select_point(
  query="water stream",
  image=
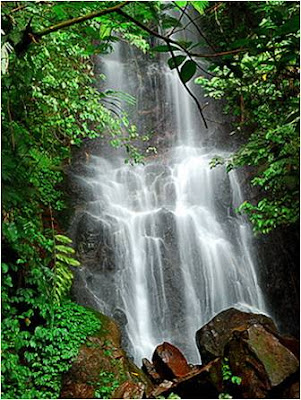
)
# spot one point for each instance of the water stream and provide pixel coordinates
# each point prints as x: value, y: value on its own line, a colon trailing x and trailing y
x: 180, y: 252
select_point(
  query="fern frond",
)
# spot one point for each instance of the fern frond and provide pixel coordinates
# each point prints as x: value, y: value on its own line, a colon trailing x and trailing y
x: 63, y: 259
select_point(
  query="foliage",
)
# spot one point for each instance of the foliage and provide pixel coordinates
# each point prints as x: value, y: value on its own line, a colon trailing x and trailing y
x: 227, y: 373
x: 228, y: 377
x: 106, y: 385
x: 261, y: 86
x: 170, y: 396
x: 50, y: 105
x: 33, y: 362
x: 63, y: 260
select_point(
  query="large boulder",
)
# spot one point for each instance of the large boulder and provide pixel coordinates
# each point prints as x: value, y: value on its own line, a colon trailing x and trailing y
x: 212, y: 338
x: 266, y: 361
x: 169, y: 362
x: 258, y: 357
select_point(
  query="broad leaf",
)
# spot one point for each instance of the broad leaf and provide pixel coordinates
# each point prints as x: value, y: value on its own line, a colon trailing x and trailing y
x: 181, y: 3
x: 165, y: 48
x: 187, y: 71
x: 176, y: 61
x: 200, y: 6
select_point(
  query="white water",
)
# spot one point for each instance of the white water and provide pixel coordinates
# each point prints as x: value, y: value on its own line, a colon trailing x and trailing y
x: 181, y: 253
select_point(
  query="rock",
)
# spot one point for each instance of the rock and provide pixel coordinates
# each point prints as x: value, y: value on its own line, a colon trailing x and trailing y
x: 212, y: 338
x: 258, y: 357
x: 169, y: 362
x: 78, y: 391
x: 291, y: 343
x: 149, y: 369
x: 200, y: 382
x: 292, y: 392
x: 162, y: 390
x: 102, y: 353
x: 129, y: 390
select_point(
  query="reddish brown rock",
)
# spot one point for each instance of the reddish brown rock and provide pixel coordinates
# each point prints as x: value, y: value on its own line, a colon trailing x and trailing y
x: 212, y: 338
x: 200, y: 382
x: 291, y: 343
x: 169, y: 362
x: 129, y: 390
x: 258, y: 357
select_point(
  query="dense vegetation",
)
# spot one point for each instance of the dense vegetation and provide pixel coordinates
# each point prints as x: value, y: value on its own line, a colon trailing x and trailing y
x: 50, y: 104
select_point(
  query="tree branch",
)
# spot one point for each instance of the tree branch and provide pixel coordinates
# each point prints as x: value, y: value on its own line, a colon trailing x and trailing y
x: 78, y: 20
x: 187, y: 88
x: 170, y: 41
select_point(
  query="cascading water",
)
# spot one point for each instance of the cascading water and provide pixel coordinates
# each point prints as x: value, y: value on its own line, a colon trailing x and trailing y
x: 180, y: 253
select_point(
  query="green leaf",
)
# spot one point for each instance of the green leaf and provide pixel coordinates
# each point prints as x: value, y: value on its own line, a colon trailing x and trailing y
x: 63, y: 239
x: 291, y: 26
x: 188, y: 70
x: 65, y: 249
x: 200, y: 6
x: 104, y: 31
x: 176, y: 61
x: 4, y: 268
x: 236, y: 380
x: 68, y: 260
x: 181, y: 3
x: 165, y: 48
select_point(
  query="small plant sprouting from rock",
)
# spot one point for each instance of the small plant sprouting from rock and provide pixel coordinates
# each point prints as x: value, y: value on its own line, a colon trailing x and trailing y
x: 170, y: 396
x: 228, y: 377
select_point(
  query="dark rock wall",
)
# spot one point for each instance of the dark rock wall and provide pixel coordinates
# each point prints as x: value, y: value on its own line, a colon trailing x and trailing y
x: 279, y: 258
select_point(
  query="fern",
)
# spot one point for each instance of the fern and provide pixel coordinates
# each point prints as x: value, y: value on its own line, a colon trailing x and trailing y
x: 63, y: 260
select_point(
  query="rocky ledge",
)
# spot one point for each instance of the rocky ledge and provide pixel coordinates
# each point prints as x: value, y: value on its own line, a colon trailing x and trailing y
x: 243, y: 354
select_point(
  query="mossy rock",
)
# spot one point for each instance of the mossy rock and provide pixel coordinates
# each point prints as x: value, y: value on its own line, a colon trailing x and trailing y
x: 102, y: 366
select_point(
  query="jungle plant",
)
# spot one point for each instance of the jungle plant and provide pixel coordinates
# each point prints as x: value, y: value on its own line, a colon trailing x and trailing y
x: 63, y: 260
x: 228, y: 377
x: 261, y: 87
x: 106, y: 385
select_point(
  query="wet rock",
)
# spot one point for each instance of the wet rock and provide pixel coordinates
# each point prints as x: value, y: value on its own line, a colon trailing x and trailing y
x: 200, y: 382
x: 169, y: 362
x: 258, y: 357
x: 212, y: 338
x: 149, y: 369
x: 129, y: 390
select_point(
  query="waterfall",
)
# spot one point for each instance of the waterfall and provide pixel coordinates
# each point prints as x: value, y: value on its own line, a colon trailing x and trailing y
x: 179, y: 253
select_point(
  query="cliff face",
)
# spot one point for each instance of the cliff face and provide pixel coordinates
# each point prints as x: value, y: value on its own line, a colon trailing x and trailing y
x: 279, y: 256
x: 153, y: 114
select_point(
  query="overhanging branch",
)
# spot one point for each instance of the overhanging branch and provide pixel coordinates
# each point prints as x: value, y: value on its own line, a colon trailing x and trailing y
x: 83, y: 18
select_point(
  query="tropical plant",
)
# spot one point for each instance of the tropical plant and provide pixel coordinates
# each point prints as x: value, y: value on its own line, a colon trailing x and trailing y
x: 261, y: 87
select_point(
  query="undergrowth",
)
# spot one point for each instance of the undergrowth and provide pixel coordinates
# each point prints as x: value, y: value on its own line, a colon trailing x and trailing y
x: 33, y: 363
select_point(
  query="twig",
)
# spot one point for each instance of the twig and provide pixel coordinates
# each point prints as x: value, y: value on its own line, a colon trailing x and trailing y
x: 187, y: 88
x: 179, y: 20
